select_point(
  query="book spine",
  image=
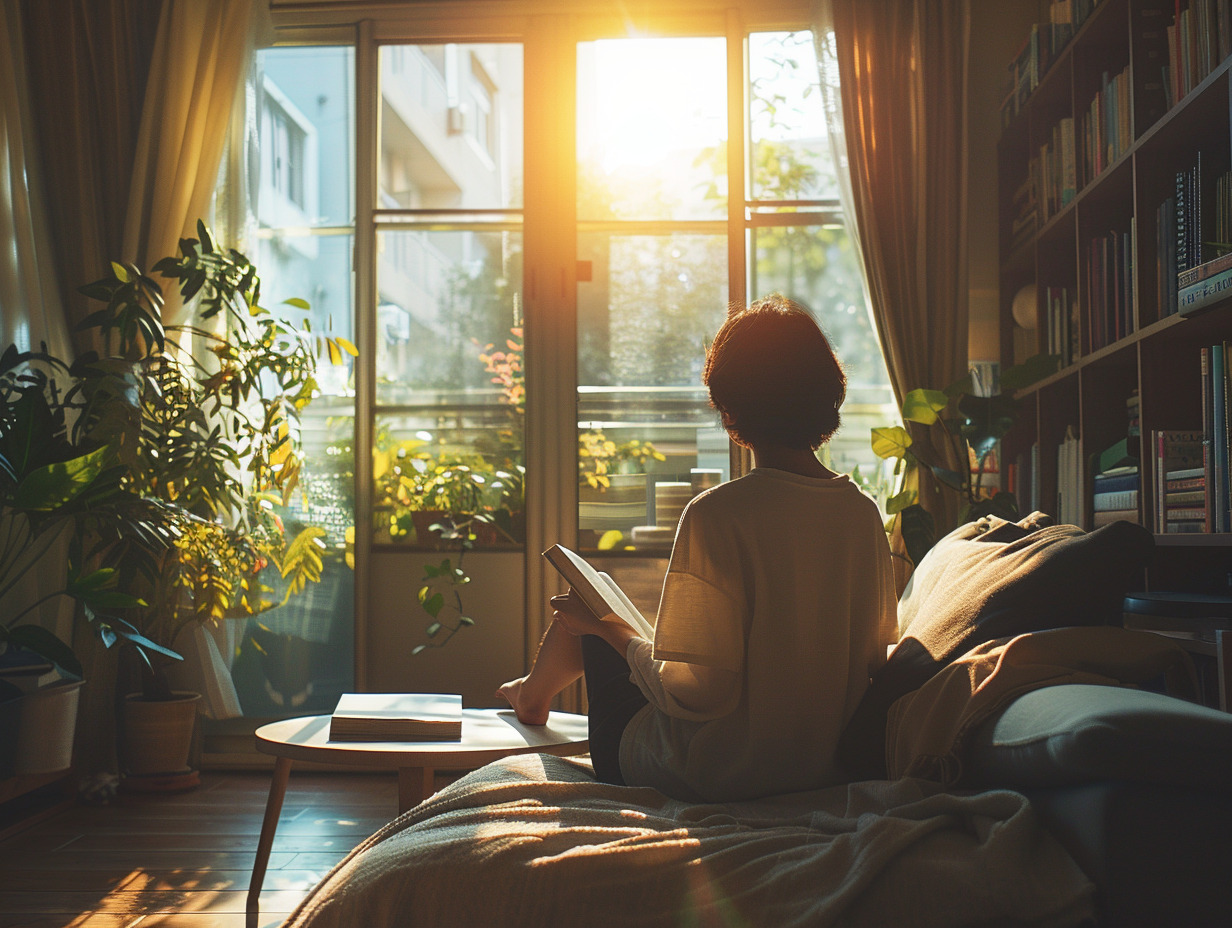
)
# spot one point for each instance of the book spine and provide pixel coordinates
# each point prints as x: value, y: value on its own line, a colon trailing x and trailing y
x: 1208, y: 438
x: 1220, y: 436
x: 1213, y: 289
x: 1119, y: 499
x: 1203, y: 271
x: 1185, y: 513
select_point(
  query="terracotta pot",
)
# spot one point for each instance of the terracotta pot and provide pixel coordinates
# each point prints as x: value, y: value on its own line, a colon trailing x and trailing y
x: 157, y: 735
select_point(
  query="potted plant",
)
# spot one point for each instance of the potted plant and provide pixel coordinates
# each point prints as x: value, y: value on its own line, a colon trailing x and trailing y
x: 214, y: 438
x: 612, y: 489
x: 972, y: 424
x: 65, y: 510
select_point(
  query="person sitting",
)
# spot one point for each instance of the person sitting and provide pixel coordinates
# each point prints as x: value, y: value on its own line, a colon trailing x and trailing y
x: 777, y: 605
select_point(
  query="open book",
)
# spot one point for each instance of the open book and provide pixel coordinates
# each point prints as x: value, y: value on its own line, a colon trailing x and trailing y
x: 397, y: 717
x: 598, y: 591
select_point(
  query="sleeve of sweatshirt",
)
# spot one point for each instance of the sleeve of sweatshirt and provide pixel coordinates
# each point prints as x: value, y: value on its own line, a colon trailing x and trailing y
x: 682, y: 690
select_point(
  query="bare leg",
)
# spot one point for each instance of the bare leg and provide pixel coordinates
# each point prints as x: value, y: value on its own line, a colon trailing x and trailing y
x: 558, y: 663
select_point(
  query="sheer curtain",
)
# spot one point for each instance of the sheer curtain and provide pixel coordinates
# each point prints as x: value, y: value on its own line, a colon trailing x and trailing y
x: 201, y: 55
x: 893, y: 79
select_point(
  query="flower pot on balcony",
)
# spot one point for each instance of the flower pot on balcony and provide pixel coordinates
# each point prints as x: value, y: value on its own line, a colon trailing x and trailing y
x: 423, y: 520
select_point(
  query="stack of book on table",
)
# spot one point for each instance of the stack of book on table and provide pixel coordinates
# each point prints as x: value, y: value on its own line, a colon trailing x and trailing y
x: 397, y: 717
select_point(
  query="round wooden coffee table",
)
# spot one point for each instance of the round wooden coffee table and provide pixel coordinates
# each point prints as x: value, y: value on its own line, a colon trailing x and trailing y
x: 487, y: 735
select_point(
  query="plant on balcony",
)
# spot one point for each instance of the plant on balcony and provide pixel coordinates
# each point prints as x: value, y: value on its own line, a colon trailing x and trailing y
x: 599, y: 458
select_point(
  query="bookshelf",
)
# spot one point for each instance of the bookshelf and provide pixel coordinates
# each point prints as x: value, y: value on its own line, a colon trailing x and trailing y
x: 1109, y: 131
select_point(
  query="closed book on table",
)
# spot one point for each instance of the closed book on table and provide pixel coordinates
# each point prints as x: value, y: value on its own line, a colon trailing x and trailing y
x: 397, y: 717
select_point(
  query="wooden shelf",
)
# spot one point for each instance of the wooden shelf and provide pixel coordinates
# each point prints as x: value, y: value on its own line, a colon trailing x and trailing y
x: 1159, y: 358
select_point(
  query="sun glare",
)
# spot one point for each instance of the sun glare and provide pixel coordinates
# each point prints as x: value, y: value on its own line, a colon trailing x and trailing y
x: 644, y: 101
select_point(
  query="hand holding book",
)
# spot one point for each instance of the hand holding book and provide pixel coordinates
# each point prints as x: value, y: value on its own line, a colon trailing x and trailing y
x: 572, y: 611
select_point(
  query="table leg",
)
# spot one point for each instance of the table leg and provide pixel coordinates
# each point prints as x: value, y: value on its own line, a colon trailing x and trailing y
x: 415, y: 784
x: 273, y: 808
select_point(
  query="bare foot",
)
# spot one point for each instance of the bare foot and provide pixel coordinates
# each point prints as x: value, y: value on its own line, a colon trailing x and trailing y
x: 527, y: 710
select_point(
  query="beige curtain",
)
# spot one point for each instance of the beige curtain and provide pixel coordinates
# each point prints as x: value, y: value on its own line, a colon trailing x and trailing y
x: 87, y: 62
x: 894, y: 83
x: 201, y: 55
x: 30, y: 311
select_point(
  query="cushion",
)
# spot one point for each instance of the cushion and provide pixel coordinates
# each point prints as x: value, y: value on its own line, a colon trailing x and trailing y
x: 1081, y: 733
x: 994, y: 579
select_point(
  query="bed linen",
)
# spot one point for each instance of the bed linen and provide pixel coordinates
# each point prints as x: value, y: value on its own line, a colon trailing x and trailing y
x: 533, y: 840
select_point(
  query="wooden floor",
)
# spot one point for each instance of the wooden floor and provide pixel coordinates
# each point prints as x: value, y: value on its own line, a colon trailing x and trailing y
x: 184, y: 860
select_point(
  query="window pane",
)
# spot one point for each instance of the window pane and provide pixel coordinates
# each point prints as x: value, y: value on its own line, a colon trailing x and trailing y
x: 447, y: 301
x: 451, y: 127
x: 791, y: 149
x: 298, y: 658
x: 816, y: 265
x: 652, y: 129
x: 306, y: 137
x: 449, y: 381
x: 645, y: 428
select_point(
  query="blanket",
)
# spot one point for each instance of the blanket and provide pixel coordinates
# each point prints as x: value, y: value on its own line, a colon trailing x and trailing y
x: 535, y: 841
x: 927, y: 727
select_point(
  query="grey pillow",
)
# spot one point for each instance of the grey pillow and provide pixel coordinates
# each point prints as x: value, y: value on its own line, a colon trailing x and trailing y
x: 1080, y: 733
x: 993, y: 579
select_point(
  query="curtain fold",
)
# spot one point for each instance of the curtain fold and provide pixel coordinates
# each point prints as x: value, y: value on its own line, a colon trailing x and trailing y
x: 894, y: 83
x: 87, y: 62
x: 201, y: 56
x: 30, y: 309
x: 31, y: 314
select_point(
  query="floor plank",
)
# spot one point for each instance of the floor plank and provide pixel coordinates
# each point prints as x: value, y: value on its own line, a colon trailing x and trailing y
x: 185, y: 860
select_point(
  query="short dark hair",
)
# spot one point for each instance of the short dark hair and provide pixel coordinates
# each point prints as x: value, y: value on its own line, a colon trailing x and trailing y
x: 773, y: 376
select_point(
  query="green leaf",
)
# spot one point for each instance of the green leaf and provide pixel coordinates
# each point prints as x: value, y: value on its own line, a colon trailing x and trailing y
x: 918, y: 531
x: 432, y: 629
x: 950, y: 478
x: 417, y: 649
x: 901, y: 501
x: 1036, y: 367
x: 297, y: 302
x: 45, y: 644
x: 986, y: 420
x: 121, y: 272
x: 922, y: 405
x: 466, y: 620
x: 433, y: 604
x: 58, y: 484
x: 890, y: 441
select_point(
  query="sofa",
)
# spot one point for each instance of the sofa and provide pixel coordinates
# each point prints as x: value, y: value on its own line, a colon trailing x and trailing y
x: 1019, y: 760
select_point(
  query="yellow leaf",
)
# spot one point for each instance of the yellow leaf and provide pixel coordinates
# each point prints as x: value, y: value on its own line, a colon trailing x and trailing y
x: 890, y: 442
